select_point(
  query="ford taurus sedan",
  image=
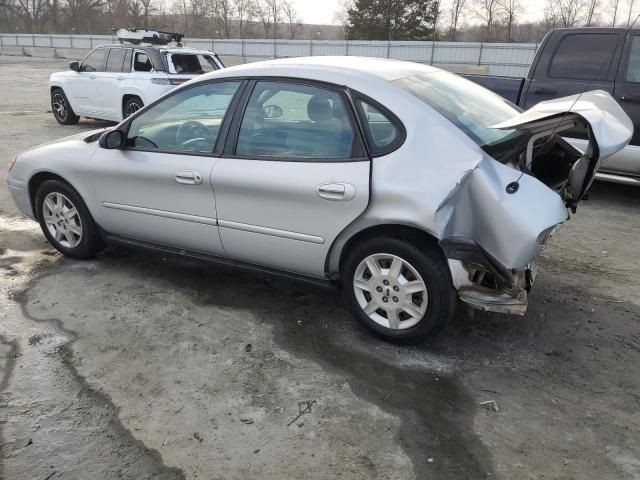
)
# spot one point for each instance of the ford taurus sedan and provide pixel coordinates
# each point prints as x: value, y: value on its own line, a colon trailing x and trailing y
x: 408, y: 187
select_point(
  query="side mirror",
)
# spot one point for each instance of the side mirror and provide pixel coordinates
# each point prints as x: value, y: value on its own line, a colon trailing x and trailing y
x: 112, y: 140
x: 75, y: 66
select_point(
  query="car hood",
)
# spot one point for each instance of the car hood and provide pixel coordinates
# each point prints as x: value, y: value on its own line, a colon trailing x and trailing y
x: 611, y: 126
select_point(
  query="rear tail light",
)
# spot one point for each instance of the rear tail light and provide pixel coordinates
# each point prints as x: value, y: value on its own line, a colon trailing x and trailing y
x: 168, y: 81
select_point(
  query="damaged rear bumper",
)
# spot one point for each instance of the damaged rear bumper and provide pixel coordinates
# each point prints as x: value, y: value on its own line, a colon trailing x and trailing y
x: 483, y: 284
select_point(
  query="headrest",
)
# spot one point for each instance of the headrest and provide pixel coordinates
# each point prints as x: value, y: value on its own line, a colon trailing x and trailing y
x: 319, y: 108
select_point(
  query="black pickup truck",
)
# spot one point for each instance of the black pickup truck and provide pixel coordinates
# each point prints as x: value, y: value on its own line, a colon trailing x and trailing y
x: 572, y: 59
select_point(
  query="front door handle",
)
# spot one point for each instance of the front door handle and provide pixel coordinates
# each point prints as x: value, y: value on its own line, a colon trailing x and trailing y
x: 120, y: 78
x: 92, y: 76
x: 336, y: 191
x: 188, y: 177
x: 628, y: 98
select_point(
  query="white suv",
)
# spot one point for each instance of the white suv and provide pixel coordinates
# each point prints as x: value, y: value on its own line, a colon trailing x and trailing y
x: 113, y: 81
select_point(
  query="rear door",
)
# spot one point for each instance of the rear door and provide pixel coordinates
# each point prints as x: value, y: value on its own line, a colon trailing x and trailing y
x: 293, y: 174
x: 573, y: 62
x: 627, y: 93
x: 111, y: 82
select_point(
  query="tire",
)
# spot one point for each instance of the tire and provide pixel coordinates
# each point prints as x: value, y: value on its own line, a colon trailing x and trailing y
x: 61, y: 108
x: 131, y: 106
x: 73, y: 235
x: 396, y: 309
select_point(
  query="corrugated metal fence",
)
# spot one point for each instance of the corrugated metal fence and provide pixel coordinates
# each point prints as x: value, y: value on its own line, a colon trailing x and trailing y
x: 511, y: 59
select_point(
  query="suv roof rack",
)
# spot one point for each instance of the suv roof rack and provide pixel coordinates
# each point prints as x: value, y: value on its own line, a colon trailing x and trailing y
x: 137, y: 36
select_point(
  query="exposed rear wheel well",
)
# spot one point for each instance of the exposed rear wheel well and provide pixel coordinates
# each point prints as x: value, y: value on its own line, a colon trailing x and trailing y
x: 415, y: 236
x: 54, y: 88
x: 35, y: 182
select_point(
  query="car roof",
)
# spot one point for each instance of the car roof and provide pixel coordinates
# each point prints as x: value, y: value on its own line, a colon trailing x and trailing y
x: 160, y: 48
x: 339, y: 68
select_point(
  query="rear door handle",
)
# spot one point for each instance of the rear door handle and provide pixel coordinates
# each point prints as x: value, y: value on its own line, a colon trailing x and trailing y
x: 545, y: 91
x: 92, y: 76
x: 120, y: 78
x: 188, y: 177
x: 336, y: 191
x: 628, y: 98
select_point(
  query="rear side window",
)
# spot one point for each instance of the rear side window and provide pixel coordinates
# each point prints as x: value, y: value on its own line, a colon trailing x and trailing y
x: 382, y: 131
x: 633, y: 68
x: 191, y: 64
x: 94, y: 62
x: 141, y: 62
x: 116, y: 59
x: 584, y: 56
x: 126, y: 66
x: 295, y: 121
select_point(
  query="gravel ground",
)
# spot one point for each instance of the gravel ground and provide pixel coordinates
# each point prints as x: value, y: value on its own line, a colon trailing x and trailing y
x: 135, y: 365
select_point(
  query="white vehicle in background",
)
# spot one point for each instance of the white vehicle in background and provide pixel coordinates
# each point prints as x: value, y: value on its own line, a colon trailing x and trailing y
x: 114, y: 81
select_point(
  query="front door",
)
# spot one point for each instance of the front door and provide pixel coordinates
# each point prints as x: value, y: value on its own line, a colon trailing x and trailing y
x: 81, y: 87
x: 292, y: 177
x: 158, y: 189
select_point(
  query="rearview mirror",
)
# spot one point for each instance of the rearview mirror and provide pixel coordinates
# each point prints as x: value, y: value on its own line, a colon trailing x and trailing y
x: 75, y: 66
x: 273, y: 111
x: 112, y: 140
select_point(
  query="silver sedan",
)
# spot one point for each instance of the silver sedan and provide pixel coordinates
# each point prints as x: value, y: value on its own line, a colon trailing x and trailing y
x: 408, y: 187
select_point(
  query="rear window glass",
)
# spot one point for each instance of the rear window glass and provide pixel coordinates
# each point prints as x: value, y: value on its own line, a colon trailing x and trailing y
x: 191, y: 64
x: 115, y: 59
x: 584, y: 56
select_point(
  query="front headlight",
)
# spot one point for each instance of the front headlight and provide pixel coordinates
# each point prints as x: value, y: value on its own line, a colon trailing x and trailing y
x: 12, y: 162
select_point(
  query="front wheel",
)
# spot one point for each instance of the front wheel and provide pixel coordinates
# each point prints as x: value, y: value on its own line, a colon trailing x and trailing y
x: 66, y: 221
x: 401, y: 292
x: 61, y: 108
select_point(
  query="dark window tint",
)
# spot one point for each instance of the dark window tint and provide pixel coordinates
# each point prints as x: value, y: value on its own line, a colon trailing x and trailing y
x: 633, y: 68
x: 584, y: 56
x: 382, y: 130
x: 94, y: 62
x: 141, y: 62
x: 287, y: 120
x: 192, y: 64
x: 188, y: 121
x: 115, y: 59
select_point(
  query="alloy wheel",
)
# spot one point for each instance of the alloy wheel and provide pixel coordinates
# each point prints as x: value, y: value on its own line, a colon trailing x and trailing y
x: 62, y: 219
x: 390, y: 291
x: 131, y: 108
x: 60, y: 108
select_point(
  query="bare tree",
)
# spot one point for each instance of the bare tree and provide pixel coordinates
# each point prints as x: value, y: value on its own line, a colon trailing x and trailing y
x: 456, y: 10
x: 222, y: 13
x: 630, y: 9
x: 268, y: 13
x: 510, y: 9
x: 568, y: 13
x: 291, y: 16
x: 32, y: 13
x: 487, y: 11
x: 243, y: 12
x: 82, y: 12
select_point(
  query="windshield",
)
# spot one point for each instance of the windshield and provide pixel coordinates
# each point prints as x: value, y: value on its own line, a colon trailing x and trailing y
x: 466, y: 104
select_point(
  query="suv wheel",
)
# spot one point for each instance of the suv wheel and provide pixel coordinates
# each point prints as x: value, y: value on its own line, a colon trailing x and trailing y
x: 131, y: 106
x: 66, y: 221
x: 398, y: 290
x: 61, y: 108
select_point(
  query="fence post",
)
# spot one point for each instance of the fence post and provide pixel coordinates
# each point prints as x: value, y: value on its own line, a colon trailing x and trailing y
x: 433, y: 49
x: 70, y: 41
x: 33, y: 39
x: 388, y: 48
x: 311, y: 47
x: 480, y: 54
x: 242, y: 50
x: 346, y: 51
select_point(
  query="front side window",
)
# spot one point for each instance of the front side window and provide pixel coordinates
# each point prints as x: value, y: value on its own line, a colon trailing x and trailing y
x: 295, y: 121
x: 382, y: 130
x: 116, y: 59
x: 584, y: 56
x: 94, y: 62
x: 141, y: 62
x: 191, y: 63
x: 470, y: 107
x: 188, y: 121
x: 633, y: 68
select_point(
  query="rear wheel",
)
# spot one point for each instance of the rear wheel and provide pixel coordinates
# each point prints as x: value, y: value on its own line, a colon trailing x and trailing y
x: 66, y: 221
x: 61, y: 108
x: 398, y: 290
x: 131, y: 106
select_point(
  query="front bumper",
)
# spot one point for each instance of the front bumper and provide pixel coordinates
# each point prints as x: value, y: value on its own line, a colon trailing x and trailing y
x: 19, y: 190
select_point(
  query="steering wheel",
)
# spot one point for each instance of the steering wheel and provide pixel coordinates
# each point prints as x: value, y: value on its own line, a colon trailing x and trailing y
x: 190, y: 131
